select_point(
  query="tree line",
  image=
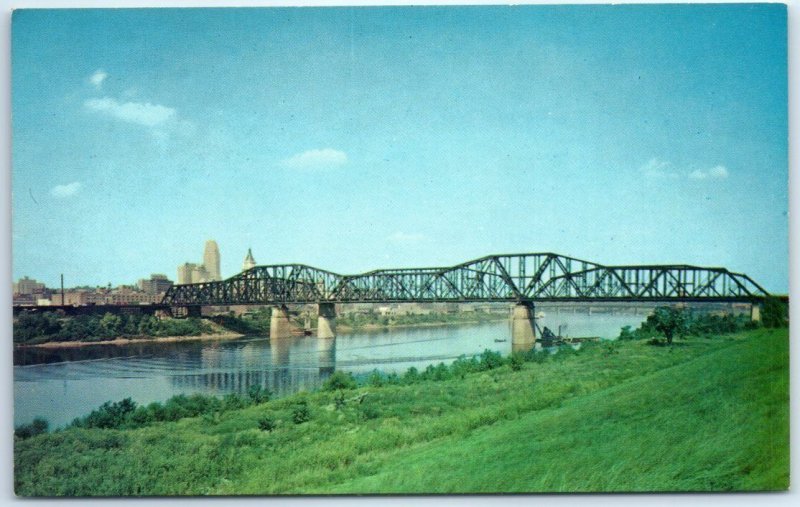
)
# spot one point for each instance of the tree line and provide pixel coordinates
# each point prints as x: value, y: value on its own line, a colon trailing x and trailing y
x: 32, y: 328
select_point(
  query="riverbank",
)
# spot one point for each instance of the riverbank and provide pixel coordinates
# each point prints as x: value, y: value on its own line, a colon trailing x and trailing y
x: 129, y: 341
x: 224, y: 334
x: 345, y: 329
x: 706, y: 414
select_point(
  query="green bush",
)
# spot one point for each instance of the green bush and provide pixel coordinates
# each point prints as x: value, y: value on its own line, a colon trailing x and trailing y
x: 490, y: 359
x: 266, y: 423
x: 375, y: 379
x: 37, y: 427
x: 516, y: 361
x: 774, y: 313
x: 411, y: 376
x: 367, y: 412
x: 258, y: 394
x: 339, y: 380
x: 301, y: 413
x: 338, y: 400
x: 108, y: 415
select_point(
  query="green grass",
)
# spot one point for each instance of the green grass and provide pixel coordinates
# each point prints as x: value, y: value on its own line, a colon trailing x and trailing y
x: 704, y: 415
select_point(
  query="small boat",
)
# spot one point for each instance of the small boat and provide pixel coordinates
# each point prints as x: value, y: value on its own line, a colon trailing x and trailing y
x: 498, y: 340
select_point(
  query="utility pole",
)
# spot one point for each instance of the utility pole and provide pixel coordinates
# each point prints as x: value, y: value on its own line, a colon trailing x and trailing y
x: 62, y: 289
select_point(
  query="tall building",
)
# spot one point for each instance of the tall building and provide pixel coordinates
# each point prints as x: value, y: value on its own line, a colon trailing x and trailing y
x: 27, y: 285
x: 208, y: 271
x: 185, y: 273
x: 200, y: 274
x: 211, y: 260
x: 249, y: 261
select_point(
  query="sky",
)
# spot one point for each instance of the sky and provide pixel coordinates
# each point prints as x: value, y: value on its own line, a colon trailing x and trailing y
x: 353, y: 139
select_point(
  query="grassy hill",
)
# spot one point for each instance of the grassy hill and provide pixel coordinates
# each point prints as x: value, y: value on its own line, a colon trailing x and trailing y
x: 705, y: 414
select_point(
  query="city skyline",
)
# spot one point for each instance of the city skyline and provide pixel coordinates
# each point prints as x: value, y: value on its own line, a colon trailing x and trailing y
x: 353, y: 139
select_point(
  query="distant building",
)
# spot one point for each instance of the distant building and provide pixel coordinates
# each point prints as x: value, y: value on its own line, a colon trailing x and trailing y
x: 249, y: 261
x: 157, y: 284
x: 128, y: 296
x: 211, y: 260
x: 185, y: 273
x: 200, y: 274
x: 208, y: 271
x: 27, y: 285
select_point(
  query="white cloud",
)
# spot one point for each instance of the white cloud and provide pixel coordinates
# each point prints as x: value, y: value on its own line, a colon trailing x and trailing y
x: 719, y: 172
x: 316, y: 159
x: 98, y: 77
x: 656, y: 168
x: 401, y: 237
x: 140, y: 113
x: 66, y: 190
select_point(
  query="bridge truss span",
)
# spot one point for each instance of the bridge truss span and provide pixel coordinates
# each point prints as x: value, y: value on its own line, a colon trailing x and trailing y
x: 494, y: 278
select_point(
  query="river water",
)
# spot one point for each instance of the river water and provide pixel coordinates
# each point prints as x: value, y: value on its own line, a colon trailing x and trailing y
x: 62, y: 384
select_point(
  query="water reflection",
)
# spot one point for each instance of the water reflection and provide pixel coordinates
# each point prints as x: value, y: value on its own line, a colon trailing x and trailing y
x: 61, y: 384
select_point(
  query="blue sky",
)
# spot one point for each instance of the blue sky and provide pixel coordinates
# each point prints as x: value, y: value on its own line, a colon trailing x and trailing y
x: 358, y: 138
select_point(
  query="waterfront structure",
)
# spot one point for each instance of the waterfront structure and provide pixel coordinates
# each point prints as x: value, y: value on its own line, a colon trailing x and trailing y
x: 157, y: 284
x: 249, y: 261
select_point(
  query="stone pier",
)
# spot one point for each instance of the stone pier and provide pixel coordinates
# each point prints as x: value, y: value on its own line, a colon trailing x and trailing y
x: 279, y: 326
x: 326, y: 323
x: 755, y: 312
x: 326, y: 356
x: 523, y: 329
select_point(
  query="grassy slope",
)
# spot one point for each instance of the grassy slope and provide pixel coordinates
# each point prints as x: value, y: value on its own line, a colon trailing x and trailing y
x: 716, y: 423
x: 711, y: 414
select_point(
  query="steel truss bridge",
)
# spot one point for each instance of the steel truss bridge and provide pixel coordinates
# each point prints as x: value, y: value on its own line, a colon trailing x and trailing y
x: 534, y: 277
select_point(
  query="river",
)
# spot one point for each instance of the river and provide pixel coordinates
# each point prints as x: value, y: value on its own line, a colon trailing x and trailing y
x: 61, y: 384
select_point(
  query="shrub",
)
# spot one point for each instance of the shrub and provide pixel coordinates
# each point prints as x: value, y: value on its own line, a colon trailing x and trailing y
x: 258, y: 394
x: 338, y: 400
x: 626, y: 334
x: 461, y: 366
x: 490, y: 360
x: 367, y: 412
x: 37, y: 427
x: 516, y: 361
x: 375, y: 379
x: 300, y: 413
x: 339, y: 380
x: 774, y: 313
x: 233, y: 401
x: 108, y: 415
x: 411, y: 376
x: 266, y: 423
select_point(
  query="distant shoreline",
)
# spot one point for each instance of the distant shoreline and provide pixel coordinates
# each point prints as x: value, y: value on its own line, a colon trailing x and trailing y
x: 377, y: 327
x: 128, y: 341
x: 343, y: 329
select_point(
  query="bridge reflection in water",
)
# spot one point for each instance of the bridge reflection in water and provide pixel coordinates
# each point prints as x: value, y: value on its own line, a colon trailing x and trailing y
x: 282, y: 374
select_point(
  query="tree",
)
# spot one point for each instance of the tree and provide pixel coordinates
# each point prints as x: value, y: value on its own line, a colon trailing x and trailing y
x: 110, y: 325
x: 668, y: 321
x: 774, y: 312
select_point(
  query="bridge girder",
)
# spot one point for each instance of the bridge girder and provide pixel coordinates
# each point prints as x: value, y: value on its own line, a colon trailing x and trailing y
x: 494, y: 278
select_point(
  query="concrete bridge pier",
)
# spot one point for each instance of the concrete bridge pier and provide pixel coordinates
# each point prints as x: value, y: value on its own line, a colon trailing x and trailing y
x: 755, y: 312
x: 279, y: 326
x: 326, y: 322
x: 523, y: 328
x: 326, y: 356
